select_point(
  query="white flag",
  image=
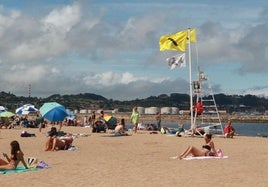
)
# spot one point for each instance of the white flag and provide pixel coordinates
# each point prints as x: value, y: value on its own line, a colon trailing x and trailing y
x: 176, y: 61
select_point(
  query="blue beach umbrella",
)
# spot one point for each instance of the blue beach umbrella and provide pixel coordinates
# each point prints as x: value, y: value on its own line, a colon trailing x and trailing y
x: 53, y: 111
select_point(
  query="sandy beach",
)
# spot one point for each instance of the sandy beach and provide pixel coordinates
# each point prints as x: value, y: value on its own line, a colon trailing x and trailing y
x: 142, y: 159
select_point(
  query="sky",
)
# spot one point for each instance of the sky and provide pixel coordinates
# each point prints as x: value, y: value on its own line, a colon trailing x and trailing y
x: 111, y: 47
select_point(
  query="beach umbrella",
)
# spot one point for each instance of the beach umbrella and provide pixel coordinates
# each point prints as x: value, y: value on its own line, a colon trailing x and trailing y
x: 2, y: 109
x: 71, y: 115
x: 110, y: 121
x: 53, y: 111
x: 26, y: 109
x: 6, y: 114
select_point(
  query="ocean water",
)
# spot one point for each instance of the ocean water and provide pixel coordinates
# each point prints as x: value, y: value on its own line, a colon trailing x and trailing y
x: 242, y: 129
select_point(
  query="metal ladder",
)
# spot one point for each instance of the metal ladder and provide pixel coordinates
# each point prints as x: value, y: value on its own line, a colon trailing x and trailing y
x: 210, y: 119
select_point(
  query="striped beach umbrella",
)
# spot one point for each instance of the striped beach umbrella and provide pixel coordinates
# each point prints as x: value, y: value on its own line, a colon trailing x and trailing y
x: 26, y: 109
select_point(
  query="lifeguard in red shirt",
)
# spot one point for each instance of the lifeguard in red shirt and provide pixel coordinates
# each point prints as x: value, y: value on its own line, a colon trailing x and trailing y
x: 229, y: 130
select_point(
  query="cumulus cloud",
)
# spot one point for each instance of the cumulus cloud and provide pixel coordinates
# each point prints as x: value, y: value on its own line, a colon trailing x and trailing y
x: 62, y: 20
x: 83, y: 47
x: 111, y: 78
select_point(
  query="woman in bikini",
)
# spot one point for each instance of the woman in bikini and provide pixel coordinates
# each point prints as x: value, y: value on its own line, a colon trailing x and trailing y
x: 207, y: 150
x: 15, y: 158
x: 121, y: 128
x: 59, y: 143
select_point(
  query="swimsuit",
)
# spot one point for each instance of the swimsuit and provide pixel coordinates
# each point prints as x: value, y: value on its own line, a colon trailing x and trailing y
x: 206, y: 147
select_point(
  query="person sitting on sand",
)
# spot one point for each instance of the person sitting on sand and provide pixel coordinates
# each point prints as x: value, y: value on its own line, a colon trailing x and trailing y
x: 101, y: 115
x: 16, y: 157
x: 181, y: 130
x: 53, y: 133
x: 229, y: 130
x: 207, y: 150
x: 60, y: 143
x: 120, y: 128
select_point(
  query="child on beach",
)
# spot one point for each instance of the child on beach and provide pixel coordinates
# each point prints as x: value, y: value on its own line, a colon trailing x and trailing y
x: 15, y: 158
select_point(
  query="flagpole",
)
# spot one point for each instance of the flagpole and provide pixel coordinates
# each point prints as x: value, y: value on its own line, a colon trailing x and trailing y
x: 190, y: 76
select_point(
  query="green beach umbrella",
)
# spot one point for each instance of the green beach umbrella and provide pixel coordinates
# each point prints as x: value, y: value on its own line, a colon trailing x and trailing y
x: 6, y: 114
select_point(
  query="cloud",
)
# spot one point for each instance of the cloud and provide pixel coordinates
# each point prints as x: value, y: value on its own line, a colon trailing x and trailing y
x: 62, y: 19
x: 86, y: 47
x: 260, y: 92
x: 143, y: 89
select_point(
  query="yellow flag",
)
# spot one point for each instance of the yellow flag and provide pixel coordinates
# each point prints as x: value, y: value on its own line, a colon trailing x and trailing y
x: 192, y: 35
x: 176, y: 41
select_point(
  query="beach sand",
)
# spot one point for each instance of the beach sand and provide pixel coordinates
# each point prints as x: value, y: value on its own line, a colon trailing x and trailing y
x: 142, y: 159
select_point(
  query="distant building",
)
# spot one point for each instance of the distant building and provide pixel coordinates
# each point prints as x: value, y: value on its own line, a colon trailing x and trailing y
x: 174, y: 110
x: 152, y: 110
x: 83, y: 111
x: 141, y: 110
x: 165, y: 110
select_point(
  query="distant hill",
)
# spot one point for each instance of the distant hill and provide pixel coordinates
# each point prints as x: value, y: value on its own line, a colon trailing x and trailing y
x: 231, y: 103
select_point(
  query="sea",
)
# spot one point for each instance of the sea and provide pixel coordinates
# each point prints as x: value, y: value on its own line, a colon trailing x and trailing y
x: 242, y: 129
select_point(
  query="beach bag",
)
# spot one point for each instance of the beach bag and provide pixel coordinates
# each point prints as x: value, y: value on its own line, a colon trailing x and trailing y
x: 41, y: 164
x: 219, y: 153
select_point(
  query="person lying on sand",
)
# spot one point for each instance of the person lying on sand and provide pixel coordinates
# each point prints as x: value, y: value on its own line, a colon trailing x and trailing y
x: 59, y: 143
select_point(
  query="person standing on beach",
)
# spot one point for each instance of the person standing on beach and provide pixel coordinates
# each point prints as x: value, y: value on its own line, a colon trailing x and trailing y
x: 134, y: 118
x: 92, y: 118
x: 158, y: 121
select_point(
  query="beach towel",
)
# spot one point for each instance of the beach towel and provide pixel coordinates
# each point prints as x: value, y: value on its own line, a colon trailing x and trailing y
x: 115, y: 135
x: 199, y: 157
x: 203, y: 157
x: 19, y: 169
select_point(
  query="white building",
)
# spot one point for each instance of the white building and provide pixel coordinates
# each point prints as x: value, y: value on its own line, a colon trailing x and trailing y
x: 83, y: 111
x: 141, y: 110
x: 165, y: 110
x: 174, y: 110
x: 152, y: 110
